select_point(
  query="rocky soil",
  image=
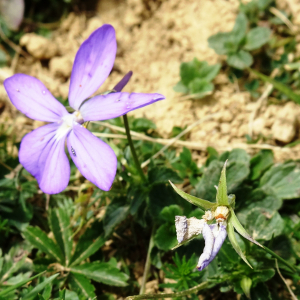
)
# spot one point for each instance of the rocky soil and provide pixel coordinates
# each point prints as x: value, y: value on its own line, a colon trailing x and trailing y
x: 154, y: 37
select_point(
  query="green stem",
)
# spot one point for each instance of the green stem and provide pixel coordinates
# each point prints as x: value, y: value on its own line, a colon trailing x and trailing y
x: 279, y: 258
x: 148, y: 262
x: 194, y: 289
x: 135, y: 158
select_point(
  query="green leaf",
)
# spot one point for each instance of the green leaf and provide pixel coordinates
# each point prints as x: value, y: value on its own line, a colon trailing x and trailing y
x: 59, y: 222
x: 264, y: 226
x: 204, y: 204
x: 240, y: 229
x: 101, y: 272
x: 278, y: 85
x: 181, y: 88
x: 163, y: 175
x: 260, y: 163
x: 116, y: 212
x: 138, y: 195
x: 208, y: 72
x: 142, y: 125
x: 240, y: 28
x: 282, y: 180
x: 240, y: 60
x: 257, y: 37
x: 222, y: 198
x: 40, y: 240
x: 89, y: 243
x: 218, y: 42
x: 261, y: 292
x: 82, y: 286
x: 83, y: 253
x: 33, y: 293
x: 237, y: 172
x: 169, y: 212
x: 262, y: 275
x: 200, y: 87
x: 16, y: 286
x: 165, y: 237
x: 234, y: 243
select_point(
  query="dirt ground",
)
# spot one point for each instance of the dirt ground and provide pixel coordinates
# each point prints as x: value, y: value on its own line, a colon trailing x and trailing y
x: 154, y: 37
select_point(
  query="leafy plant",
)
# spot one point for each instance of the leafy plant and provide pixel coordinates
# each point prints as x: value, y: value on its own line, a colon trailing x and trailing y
x: 238, y: 43
x: 196, y: 78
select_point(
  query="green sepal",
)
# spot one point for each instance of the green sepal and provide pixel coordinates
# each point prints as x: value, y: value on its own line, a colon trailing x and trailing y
x: 222, y: 198
x: 204, y: 204
x: 240, y: 229
x: 234, y: 243
x: 185, y: 241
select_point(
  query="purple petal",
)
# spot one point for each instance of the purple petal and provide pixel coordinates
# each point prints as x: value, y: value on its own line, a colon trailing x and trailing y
x: 208, y: 248
x: 120, y: 85
x: 31, y: 97
x: 93, y: 63
x: 113, y: 105
x: 44, y: 157
x: 219, y: 240
x: 95, y: 160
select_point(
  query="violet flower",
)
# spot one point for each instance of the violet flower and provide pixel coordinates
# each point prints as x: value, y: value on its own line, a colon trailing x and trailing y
x: 214, y: 236
x: 42, y: 152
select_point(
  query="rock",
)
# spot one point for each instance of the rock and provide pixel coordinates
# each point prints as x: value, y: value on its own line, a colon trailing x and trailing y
x: 61, y: 66
x: 38, y: 46
x: 225, y: 128
x: 258, y: 126
x: 285, y: 126
x: 226, y: 116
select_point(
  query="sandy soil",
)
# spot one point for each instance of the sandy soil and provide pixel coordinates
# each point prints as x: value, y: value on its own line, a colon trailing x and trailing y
x: 154, y: 37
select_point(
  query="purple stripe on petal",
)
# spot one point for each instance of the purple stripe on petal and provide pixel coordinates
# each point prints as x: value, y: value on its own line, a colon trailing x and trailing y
x: 114, y: 105
x: 208, y: 248
x: 93, y: 63
x: 31, y: 97
x: 95, y: 159
x: 44, y: 157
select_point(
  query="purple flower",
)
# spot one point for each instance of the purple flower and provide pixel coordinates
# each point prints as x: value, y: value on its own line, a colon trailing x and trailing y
x: 214, y: 236
x: 42, y: 152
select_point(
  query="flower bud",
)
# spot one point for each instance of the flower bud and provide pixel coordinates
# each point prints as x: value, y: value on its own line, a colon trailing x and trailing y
x: 246, y: 283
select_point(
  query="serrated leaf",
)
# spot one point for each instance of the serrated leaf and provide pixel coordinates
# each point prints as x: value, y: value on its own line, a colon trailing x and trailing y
x: 278, y: 85
x: 240, y: 229
x: 282, y: 180
x: 33, y: 293
x: 101, y: 272
x: 257, y: 37
x: 234, y: 243
x: 204, y: 204
x: 240, y: 60
x: 40, y: 240
x: 222, y: 198
x: 163, y: 175
x: 82, y: 286
x: 59, y: 222
x: 85, y: 249
x: 116, y: 212
x: 16, y: 286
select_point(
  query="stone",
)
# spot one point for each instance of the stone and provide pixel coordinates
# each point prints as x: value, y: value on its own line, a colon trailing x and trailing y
x: 61, y: 66
x: 258, y: 126
x: 285, y: 126
x: 38, y: 46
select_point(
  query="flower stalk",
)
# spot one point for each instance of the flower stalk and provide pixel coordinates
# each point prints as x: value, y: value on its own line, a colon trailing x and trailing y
x: 132, y: 149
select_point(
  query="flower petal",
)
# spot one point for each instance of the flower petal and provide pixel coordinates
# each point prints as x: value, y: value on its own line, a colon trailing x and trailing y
x: 121, y: 84
x: 219, y: 240
x: 208, y: 236
x: 44, y: 157
x: 93, y: 63
x: 113, y: 105
x: 31, y: 97
x: 95, y: 159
